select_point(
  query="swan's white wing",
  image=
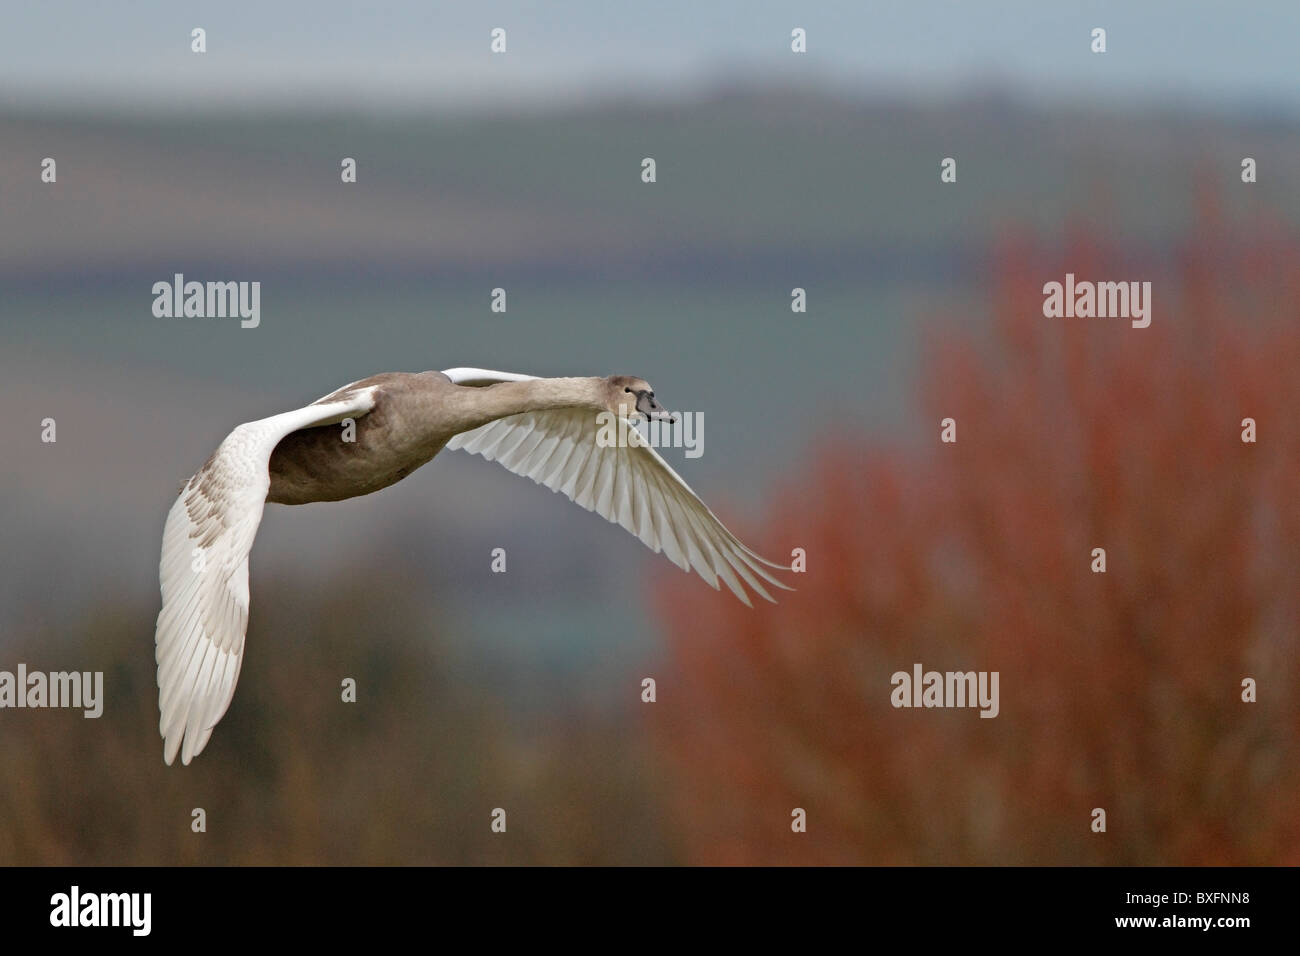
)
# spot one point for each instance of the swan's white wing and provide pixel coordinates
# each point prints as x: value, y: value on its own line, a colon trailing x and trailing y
x: 199, y: 642
x: 626, y: 482
x: 482, y: 376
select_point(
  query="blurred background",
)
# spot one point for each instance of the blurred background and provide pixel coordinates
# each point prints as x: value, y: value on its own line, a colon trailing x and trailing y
x: 775, y: 170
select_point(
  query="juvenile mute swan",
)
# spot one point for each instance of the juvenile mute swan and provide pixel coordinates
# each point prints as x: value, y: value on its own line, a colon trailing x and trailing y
x: 543, y: 428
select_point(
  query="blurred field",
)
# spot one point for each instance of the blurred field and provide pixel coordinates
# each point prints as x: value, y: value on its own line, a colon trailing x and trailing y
x: 407, y: 775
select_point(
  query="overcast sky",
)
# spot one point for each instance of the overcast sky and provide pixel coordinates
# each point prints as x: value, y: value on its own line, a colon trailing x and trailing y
x: 1239, y: 55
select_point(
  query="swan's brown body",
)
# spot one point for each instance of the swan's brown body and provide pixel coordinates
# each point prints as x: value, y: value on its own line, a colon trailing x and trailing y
x: 394, y: 438
x: 414, y: 416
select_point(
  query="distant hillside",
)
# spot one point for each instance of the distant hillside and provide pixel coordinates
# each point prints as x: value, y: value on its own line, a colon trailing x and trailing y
x: 829, y: 183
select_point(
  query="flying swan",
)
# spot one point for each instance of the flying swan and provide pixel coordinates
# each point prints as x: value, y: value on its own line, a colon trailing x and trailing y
x: 543, y: 428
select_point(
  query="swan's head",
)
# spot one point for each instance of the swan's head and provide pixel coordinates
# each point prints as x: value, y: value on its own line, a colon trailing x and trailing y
x: 632, y: 397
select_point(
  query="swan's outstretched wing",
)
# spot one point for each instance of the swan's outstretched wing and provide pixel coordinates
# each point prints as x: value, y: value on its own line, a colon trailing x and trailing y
x: 199, y: 642
x: 482, y: 376
x: 627, y: 482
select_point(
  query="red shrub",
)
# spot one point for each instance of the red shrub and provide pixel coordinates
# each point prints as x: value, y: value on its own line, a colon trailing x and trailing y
x: 1119, y: 690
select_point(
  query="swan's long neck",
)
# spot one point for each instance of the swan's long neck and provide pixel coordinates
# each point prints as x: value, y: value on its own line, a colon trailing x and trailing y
x: 473, y: 407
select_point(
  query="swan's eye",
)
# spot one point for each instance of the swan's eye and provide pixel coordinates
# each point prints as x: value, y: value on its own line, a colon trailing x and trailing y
x: 651, y: 394
x: 628, y: 390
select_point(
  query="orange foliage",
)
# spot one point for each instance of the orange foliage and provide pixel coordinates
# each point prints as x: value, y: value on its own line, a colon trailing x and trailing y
x: 1119, y: 690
